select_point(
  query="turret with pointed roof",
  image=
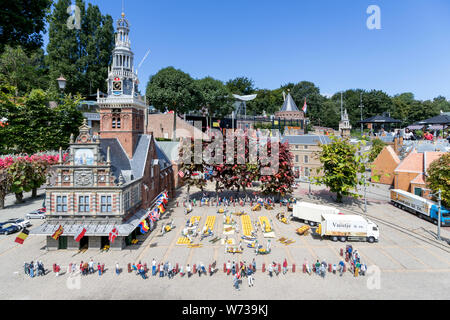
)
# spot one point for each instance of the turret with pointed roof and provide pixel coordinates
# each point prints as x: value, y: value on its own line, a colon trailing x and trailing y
x: 290, y: 111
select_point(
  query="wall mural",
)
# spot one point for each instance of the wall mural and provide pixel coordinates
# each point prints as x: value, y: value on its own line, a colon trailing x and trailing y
x: 84, y: 157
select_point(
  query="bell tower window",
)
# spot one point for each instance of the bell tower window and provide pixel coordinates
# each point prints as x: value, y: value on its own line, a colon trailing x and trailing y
x: 116, y: 123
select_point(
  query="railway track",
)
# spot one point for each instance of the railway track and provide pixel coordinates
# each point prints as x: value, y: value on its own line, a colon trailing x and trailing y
x: 409, y: 232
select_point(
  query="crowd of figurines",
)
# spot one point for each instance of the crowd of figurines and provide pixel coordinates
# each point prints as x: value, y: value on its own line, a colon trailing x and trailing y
x: 237, y: 270
x: 215, y: 201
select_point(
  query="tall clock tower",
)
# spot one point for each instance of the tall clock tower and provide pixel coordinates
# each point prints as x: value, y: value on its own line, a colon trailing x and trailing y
x: 122, y: 112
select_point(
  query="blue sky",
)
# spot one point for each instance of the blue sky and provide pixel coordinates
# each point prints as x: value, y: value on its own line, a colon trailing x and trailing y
x: 276, y: 42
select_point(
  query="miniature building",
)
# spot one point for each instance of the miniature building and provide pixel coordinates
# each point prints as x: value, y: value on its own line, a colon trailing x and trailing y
x: 344, y: 125
x: 290, y: 111
x: 410, y: 174
x: 111, y: 181
x: 304, y: 148
x: 384, y: 165
x: 161, y: 124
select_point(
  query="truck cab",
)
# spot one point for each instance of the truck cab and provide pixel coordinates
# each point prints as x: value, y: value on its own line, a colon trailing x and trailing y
x: 373, y: 231
x: 445, y: 215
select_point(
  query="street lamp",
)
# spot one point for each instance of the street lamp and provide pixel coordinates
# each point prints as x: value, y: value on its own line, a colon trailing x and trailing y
x: 61, y: 83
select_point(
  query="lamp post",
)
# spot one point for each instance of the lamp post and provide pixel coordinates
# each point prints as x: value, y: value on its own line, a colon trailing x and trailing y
x: 361, y: 106
x: 61, y: 84
x: 438, y: 194
x: 365, y: 160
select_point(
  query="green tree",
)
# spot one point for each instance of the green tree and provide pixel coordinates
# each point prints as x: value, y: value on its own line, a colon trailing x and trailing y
x: 241, y: 86
x: 23, y: 71
x: 97, y: 43
x: 330, y: 114
x: 23, y: 22
x: 214, y: 97
x: 403, y: 106
x: 268, y: 101
x: 68, y: 121
x: 20, y: 172
x: 173, y: 90
x: 33, y: 126
x: 377, y: 146
x: 342, y: 167
x: 5, y: 185
x: 80, y: 55
x: 375, y: 102
x: 439, y: 178
x: 309, y: 91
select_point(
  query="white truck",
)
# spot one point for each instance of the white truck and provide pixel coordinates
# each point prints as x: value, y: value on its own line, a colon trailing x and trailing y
x: 422, y: 207
x: 348, y: 227
x: 311, y: 213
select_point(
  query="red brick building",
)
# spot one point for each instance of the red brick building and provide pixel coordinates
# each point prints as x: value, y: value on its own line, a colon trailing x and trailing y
x: 110, y: 181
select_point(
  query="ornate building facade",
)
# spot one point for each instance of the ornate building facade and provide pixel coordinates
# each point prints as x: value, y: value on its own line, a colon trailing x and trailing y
x: 111, y: 181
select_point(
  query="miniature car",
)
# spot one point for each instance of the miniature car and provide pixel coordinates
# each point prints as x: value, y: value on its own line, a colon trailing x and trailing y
x: 22, y: 223
x: 9, y: 228
x: 35, y: 215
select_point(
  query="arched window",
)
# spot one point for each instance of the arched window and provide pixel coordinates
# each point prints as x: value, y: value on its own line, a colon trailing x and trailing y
x: 113, y: 123
x: 118, y: 123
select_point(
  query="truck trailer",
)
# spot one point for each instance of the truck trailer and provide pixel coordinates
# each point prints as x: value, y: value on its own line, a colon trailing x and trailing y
x: 311, y: 213
x: 348, y: 227
x: 421, y: 207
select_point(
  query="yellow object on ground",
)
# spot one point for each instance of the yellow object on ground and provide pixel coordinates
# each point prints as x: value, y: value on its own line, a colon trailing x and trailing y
x: 319, y: 229
x: 194, y: 219
x: 228, y: 220
x: 196, y: 245
x: 247, y: 227
x: 183, y: 240
x: 167, y: 228
x: 266, y: 220
x: 210, y: 221
x: 303, y: 230
x: 234, y: 250
x: 257, y: 207
x: 221, y: 210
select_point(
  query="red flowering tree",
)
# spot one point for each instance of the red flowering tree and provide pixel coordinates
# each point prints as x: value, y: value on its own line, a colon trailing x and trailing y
x: 237, y: 171
x: 278, y: 182
x: 20, y: 174
x: 191, y: 173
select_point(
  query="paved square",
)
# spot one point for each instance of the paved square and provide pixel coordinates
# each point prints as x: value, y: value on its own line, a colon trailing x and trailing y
x: 409, y: 262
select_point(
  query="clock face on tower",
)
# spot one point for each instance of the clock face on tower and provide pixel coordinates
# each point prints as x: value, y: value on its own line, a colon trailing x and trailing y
x: 117, y: 85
